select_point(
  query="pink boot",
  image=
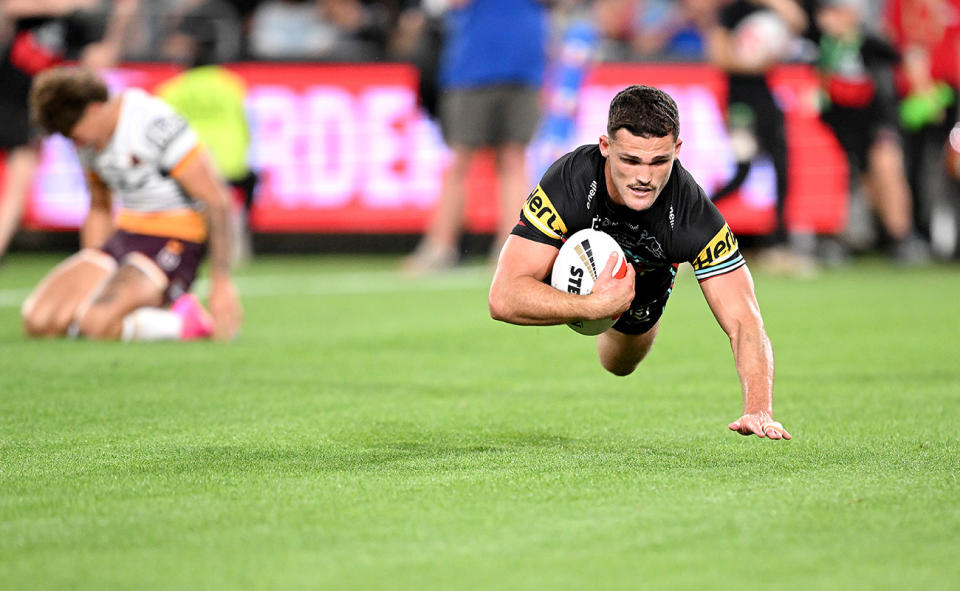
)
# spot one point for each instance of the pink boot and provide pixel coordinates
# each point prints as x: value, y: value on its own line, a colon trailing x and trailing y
x: 197, y: 323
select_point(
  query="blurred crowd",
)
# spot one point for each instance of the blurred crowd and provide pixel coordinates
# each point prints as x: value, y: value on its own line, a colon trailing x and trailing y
x: 366, y: 30
x: 902, y: 53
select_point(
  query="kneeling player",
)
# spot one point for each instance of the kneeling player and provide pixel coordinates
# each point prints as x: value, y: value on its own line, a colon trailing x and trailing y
x: 632, y: 187
x: 134, y: 148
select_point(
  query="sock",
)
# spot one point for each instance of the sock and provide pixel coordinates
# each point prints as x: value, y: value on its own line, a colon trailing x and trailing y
x: 151, y: 324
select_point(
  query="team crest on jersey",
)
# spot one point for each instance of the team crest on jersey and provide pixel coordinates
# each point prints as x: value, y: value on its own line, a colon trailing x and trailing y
x: 652, y: 245
x: 542, y: 215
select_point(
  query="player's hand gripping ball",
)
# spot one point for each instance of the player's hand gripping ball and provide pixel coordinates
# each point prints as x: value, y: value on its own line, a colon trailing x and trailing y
x: 581, y: 259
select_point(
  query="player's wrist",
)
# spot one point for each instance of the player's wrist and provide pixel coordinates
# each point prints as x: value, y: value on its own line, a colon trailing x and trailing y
x: 594, y: 307
x: 221, y: 278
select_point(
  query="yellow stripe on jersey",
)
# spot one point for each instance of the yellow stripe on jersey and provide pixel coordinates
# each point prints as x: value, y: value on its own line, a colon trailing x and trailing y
x: 542, y: 215
x: 185, y: 224
x: 719, y: 249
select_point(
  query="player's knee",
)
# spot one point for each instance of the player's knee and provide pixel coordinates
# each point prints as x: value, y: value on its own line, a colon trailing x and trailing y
x: 38, y: 321
x: 619, y: 367
x: 98, y: 324
x: 34, y: 325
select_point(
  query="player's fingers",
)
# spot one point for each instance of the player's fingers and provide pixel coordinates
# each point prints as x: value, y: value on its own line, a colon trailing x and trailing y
x: 611, y: 263
x: 734, y: 426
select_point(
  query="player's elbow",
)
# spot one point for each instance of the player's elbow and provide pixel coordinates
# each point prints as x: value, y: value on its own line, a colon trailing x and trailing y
x: 498, y: 309
x: 499, y: 305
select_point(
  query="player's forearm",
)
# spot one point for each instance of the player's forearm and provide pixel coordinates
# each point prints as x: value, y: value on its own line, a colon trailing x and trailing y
x: 722, y: 55
x: 753, y: 355
x: 96, y: 228
x: 218, y: 216
x: 36, y: 8
x: 527, y: 301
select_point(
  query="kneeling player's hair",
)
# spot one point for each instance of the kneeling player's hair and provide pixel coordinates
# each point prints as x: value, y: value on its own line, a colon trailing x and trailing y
x: 59, y: 97
x: 644, y: 111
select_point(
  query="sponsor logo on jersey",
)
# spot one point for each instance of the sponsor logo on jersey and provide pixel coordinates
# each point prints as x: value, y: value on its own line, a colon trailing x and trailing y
x: 161, y: 132
x: 592, y: 193
x: 639, y: 314
x: 169, y: 257
x: 720, y: 248
x: 542, y: 215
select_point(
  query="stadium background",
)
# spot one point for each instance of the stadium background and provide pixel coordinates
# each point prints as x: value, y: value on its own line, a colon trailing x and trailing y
x: 347, y: 148
x: 370, y: 430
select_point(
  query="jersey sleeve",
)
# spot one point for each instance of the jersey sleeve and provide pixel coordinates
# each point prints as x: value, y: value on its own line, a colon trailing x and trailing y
x: 543, y: 213
x: 170, y: 136
x: 713, y: 248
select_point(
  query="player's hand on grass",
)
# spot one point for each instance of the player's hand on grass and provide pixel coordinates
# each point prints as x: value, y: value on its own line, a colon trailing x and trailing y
x: 760, y: 424
x: 225, y: 309
x: 611, y: 295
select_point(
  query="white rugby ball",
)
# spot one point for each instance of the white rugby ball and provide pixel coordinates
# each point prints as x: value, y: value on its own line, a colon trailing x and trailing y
x: 582, y: 257
x: 762, y: 39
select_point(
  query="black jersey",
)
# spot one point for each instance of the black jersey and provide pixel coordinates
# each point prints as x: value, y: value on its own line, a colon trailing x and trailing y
x: 682, y: 225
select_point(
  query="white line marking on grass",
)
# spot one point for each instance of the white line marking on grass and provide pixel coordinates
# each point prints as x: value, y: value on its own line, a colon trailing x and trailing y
x: 331, y: 283
x: 10, y: 298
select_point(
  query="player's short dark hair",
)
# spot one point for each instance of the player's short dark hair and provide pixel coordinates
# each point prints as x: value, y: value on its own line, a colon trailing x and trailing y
x: 59, y: 96
x: 644, y: 111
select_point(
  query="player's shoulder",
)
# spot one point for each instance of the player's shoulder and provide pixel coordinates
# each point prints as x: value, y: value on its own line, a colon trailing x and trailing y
x: 583, y: 159
x: 687, y: 197
x: 154, y: 122
x: 574, y: 173
x: 692, y: 216
x: 565, y: 198
x: 686, y: 184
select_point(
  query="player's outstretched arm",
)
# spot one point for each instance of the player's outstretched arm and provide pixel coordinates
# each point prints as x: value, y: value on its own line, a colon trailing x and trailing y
x: 733, y: 302
x: 518, y: 294
x: 199, y: 179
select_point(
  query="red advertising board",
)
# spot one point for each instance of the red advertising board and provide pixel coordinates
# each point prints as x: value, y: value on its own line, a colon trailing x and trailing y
x: 346, y: 149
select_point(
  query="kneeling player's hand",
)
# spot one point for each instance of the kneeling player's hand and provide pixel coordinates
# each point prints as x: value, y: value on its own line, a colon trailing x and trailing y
x: 612, y: 294
x: 760, y: 424
x: 225, y: 309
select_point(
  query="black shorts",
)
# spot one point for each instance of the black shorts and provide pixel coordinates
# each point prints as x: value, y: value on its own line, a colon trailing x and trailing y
x: 178, y: 259
x: 857, y: 129
x: 642, y: 316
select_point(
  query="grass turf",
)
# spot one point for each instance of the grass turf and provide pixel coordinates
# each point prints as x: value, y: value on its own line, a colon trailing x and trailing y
x: 371, y: 432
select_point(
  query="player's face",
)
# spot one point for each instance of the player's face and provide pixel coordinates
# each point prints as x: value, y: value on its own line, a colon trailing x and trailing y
x: 88, y: 130
x: 637, y: 167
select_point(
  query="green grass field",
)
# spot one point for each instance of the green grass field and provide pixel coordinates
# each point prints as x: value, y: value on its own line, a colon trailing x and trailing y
x: 372, y: 432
